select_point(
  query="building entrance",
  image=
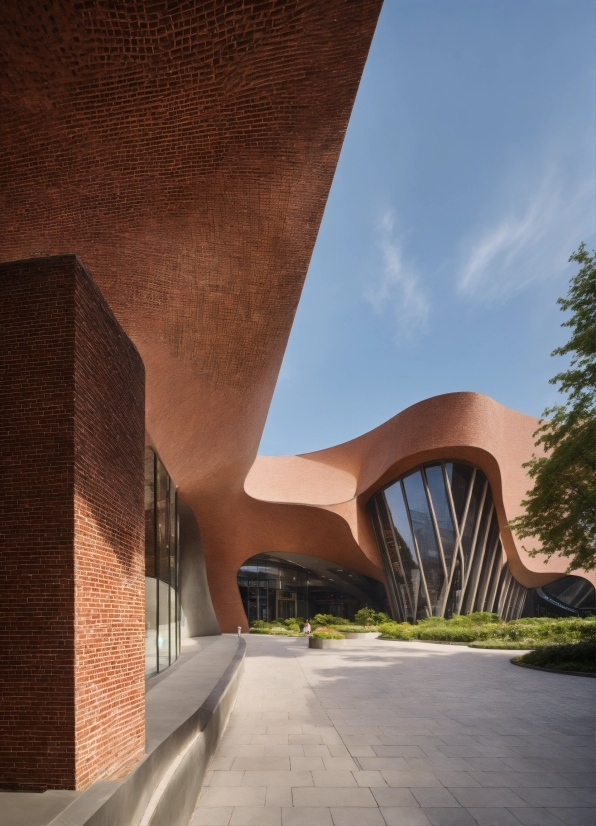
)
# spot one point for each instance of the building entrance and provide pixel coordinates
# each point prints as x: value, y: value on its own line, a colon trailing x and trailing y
x: 283, y: 586
x: 287, y: 605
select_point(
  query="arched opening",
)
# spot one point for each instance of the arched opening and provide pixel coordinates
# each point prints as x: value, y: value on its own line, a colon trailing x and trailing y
x: 284, y: 585
x: 570, y: 596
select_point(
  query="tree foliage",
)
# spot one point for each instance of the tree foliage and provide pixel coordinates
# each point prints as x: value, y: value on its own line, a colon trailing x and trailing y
x: 560, y: 510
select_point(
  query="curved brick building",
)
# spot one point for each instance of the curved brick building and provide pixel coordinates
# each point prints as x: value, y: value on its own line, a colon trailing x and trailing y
x: 164, y: 172
x: 421, y: 503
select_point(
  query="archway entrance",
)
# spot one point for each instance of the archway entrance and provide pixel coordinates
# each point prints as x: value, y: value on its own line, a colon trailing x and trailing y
x: 285, y: 585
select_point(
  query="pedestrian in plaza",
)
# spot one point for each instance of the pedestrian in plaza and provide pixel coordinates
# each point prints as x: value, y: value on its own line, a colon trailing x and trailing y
x: 306, y: 629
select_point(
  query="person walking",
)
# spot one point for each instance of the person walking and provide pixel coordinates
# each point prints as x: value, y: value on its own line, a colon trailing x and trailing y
x: 306, y: 628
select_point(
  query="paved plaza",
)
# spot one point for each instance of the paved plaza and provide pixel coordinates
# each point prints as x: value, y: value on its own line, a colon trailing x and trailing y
x: 402, y: 734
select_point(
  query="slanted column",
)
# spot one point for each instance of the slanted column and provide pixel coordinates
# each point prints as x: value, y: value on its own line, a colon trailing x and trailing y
x: 71, y: 531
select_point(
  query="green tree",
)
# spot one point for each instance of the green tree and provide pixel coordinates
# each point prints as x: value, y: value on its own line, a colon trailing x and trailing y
x: 560, y: 510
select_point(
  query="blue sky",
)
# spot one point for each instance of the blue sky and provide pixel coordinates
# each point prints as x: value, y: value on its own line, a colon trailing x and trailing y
x: 466, y: 179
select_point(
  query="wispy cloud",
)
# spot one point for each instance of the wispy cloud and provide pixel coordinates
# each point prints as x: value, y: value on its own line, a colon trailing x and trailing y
x: 398, y: 286
x: 528, y: 242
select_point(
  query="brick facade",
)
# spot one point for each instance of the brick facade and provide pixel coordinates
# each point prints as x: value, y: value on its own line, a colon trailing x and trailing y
x: 185, y: 151
x: 71, y: 531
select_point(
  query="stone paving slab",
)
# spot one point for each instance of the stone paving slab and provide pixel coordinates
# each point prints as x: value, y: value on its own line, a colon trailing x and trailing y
x: 401, y: 734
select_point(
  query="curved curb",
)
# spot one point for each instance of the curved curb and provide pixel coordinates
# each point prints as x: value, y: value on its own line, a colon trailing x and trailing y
x: 496, y: 648
x: 177, y: 793
x: 163, y: 789
x: 553, y: 670
x: 461, y: 644
x: 432, y: 642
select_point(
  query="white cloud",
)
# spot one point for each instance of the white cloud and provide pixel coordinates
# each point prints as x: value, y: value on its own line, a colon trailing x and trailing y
x: 399, y: 285
x: 530, y: 241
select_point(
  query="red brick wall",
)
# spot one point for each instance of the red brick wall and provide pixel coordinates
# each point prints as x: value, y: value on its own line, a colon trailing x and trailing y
x: 71, y: 531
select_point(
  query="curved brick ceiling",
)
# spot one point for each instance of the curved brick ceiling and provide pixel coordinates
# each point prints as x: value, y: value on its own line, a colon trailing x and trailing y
x: 184, y: 150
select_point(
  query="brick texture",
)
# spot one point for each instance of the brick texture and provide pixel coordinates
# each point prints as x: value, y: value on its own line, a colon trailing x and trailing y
x: 195, y: 141
x: 185, y: 150
x: 71, y: 531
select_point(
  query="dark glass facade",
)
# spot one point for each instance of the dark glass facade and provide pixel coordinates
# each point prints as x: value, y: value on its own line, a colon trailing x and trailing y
x: 569, y: 596
x: 162, y: 556
x: 281, y: 586
x: 439, y: 540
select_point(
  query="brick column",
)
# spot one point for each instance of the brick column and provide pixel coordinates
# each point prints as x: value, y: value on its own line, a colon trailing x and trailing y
x: 71, y: 531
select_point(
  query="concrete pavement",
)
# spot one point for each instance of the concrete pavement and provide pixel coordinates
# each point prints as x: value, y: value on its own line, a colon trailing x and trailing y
x: 401, y: 734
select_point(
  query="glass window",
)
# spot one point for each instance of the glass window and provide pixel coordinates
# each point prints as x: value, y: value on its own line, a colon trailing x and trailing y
x: 438, y: 495
x: 399, y: 516
x: 453, y: 599
x: 162, y: 603
x: 150, y: 580
x: 473, y: 508
x: 494, y: 578
x: 163, y: 557
x: 573, y: 591
x: 149, y: 512
x: 410, y: 583
x: 460, y: 477
x: 297, y: 591
x: 150, y: 626
x: 425, y: 538
x: 173, y: 565
x: 488, y: 561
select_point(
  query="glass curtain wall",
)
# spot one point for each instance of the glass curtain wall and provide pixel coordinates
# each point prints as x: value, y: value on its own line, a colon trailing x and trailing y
x: 271, y: 591
x: 272, y: 588
x: 162, y: 600
x: 439, y: 540
x: 569, y: 596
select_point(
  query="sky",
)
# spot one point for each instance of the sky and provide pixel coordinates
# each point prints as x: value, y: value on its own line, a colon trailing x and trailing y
x: 466, y: 180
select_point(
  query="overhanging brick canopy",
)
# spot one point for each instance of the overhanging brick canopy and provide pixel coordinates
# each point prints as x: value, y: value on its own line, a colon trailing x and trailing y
x: 184, y: 151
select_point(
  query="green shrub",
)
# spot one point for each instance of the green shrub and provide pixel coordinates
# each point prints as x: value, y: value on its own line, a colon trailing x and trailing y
x: 579, y: 656
x: 292, y: 624
x: 284, y: 632
x: 274, y: 628
x: 481, y: 629
x: 396, y: 630
x: 447, y: 634
x: 545, y: 629
x: 355, y: 629
x: 327, y: 619
x: 380, y: 617
x: 327, y: 634
x: 479, y: 617
x: 432, y: 621
x: 365, y: 616
x: 587, y: 631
